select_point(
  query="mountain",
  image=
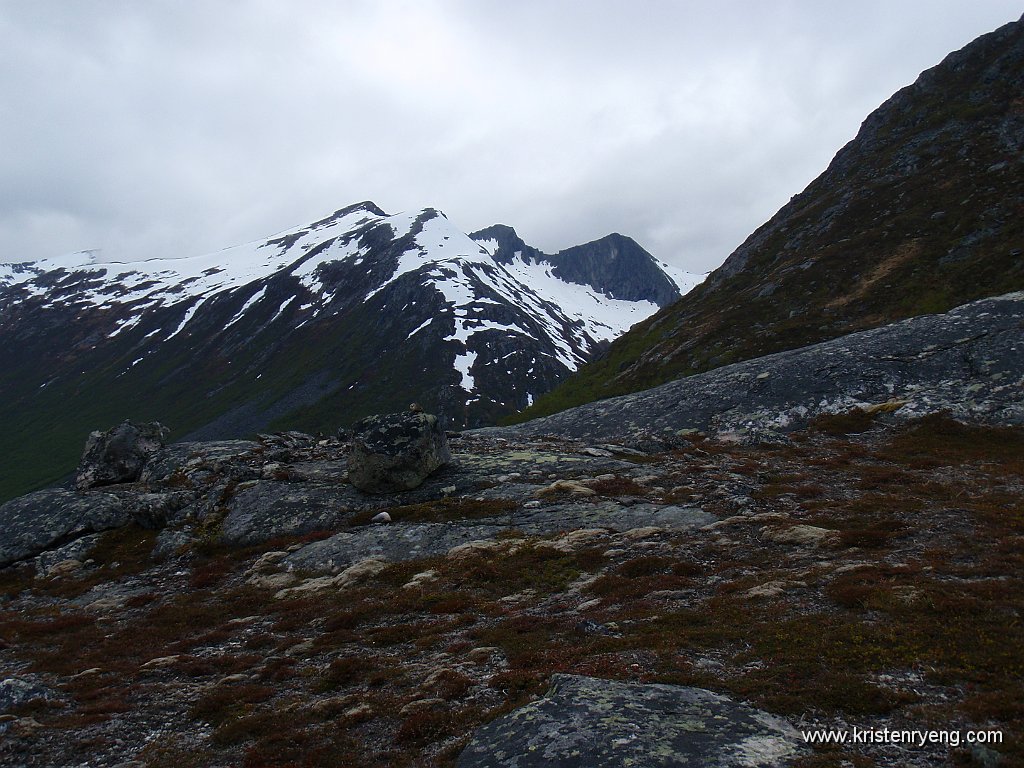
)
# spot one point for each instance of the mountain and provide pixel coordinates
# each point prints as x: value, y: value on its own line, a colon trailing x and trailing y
x: 360, y: 312
x: 923, y: 211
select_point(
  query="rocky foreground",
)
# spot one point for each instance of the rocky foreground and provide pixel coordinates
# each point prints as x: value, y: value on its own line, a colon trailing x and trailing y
x: 705, y: 592
x: 860, y: 573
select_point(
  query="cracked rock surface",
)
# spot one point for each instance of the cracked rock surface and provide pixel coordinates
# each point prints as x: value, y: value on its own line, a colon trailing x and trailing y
x: 968, y: 361
x: 584, y: 722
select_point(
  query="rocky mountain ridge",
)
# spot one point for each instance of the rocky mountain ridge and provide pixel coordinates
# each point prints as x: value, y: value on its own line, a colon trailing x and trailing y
x: 357, y: 313
x: 919, y: 213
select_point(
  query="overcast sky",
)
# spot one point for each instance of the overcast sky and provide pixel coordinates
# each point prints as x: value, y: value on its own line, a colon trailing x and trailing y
x: 150, y: 128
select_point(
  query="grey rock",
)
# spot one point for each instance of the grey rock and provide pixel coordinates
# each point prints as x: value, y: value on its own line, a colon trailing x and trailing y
x: 16, y: 692
x: 585, y: 722
x: 395, y: 542
x: 156, y: 510
x: 50, y: 518
x: 76, y: 550
x: 170, y: 542
x: 119, y: 454
x: 178, y: 460
x: 269, y: 509
x: 396, y: 452
x: 410, y: 541
x: 968, y: 361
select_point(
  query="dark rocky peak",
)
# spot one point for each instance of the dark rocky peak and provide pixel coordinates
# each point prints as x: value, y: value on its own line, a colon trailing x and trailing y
x: 506, y: 243
x: 614, y: 265
x: 617, y: 266
x: 367, y: 206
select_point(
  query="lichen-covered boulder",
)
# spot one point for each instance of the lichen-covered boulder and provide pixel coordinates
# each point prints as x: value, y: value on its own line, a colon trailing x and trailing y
x: 585, y: 722
x: 396, y: 452
x: 119, y: 454
x: 45, y: 519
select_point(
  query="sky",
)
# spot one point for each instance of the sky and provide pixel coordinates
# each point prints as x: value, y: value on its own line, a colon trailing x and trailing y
x: 179, y: 127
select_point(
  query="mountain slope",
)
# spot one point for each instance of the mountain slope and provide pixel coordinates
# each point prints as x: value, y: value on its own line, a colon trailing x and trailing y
x: 313, y: 328
x: 921, y: 212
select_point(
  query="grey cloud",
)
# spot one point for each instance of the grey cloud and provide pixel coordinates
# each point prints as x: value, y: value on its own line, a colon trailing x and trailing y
x: 148, y: 129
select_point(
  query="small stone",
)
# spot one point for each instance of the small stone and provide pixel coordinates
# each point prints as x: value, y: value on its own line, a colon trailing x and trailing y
x: 481, y: 547
x: 588, y: 604
x: 300, y: 649
x: 483, y: 653
x: 574, y: 540
x: 773, y: 588
x: 111, y: 603
x: 25, y: 726
x: 236, y: 678
x: 359, y: 713
x: 567, y: 486
x: 638, y: 534
x: 598, y: 452
x: 381, y: 517
x: 332, y: 706
x: 361, y: 571
x: 160, y: 662
x: 64, y: 568
x: 272, y: 580
x: 306, y: 587
x: 419, y: 579
x: 802, y: 535
x: 268, y: 560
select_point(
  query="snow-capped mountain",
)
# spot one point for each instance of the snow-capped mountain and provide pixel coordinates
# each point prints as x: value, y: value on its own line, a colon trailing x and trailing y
x: 317, y: 326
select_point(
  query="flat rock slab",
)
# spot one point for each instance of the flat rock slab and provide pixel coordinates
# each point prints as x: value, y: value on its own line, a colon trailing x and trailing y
x: 411, y: 541
x: 397, y: 542
x: 609, y: 514
x: 586, y: 722
x: 969, y: 361
x: 269, y: 509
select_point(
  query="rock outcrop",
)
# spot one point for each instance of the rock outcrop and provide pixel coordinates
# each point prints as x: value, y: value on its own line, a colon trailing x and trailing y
x: 45, y: 519
x: 396, y: 452
x: 969, y: 361
x: 585, y: 722
x: 119, y: 454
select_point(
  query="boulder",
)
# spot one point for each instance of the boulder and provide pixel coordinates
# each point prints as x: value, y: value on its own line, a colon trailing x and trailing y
x: 50, y: 518
x: 585, y: 722
x: 396, y: 452
x: 119, y: 454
